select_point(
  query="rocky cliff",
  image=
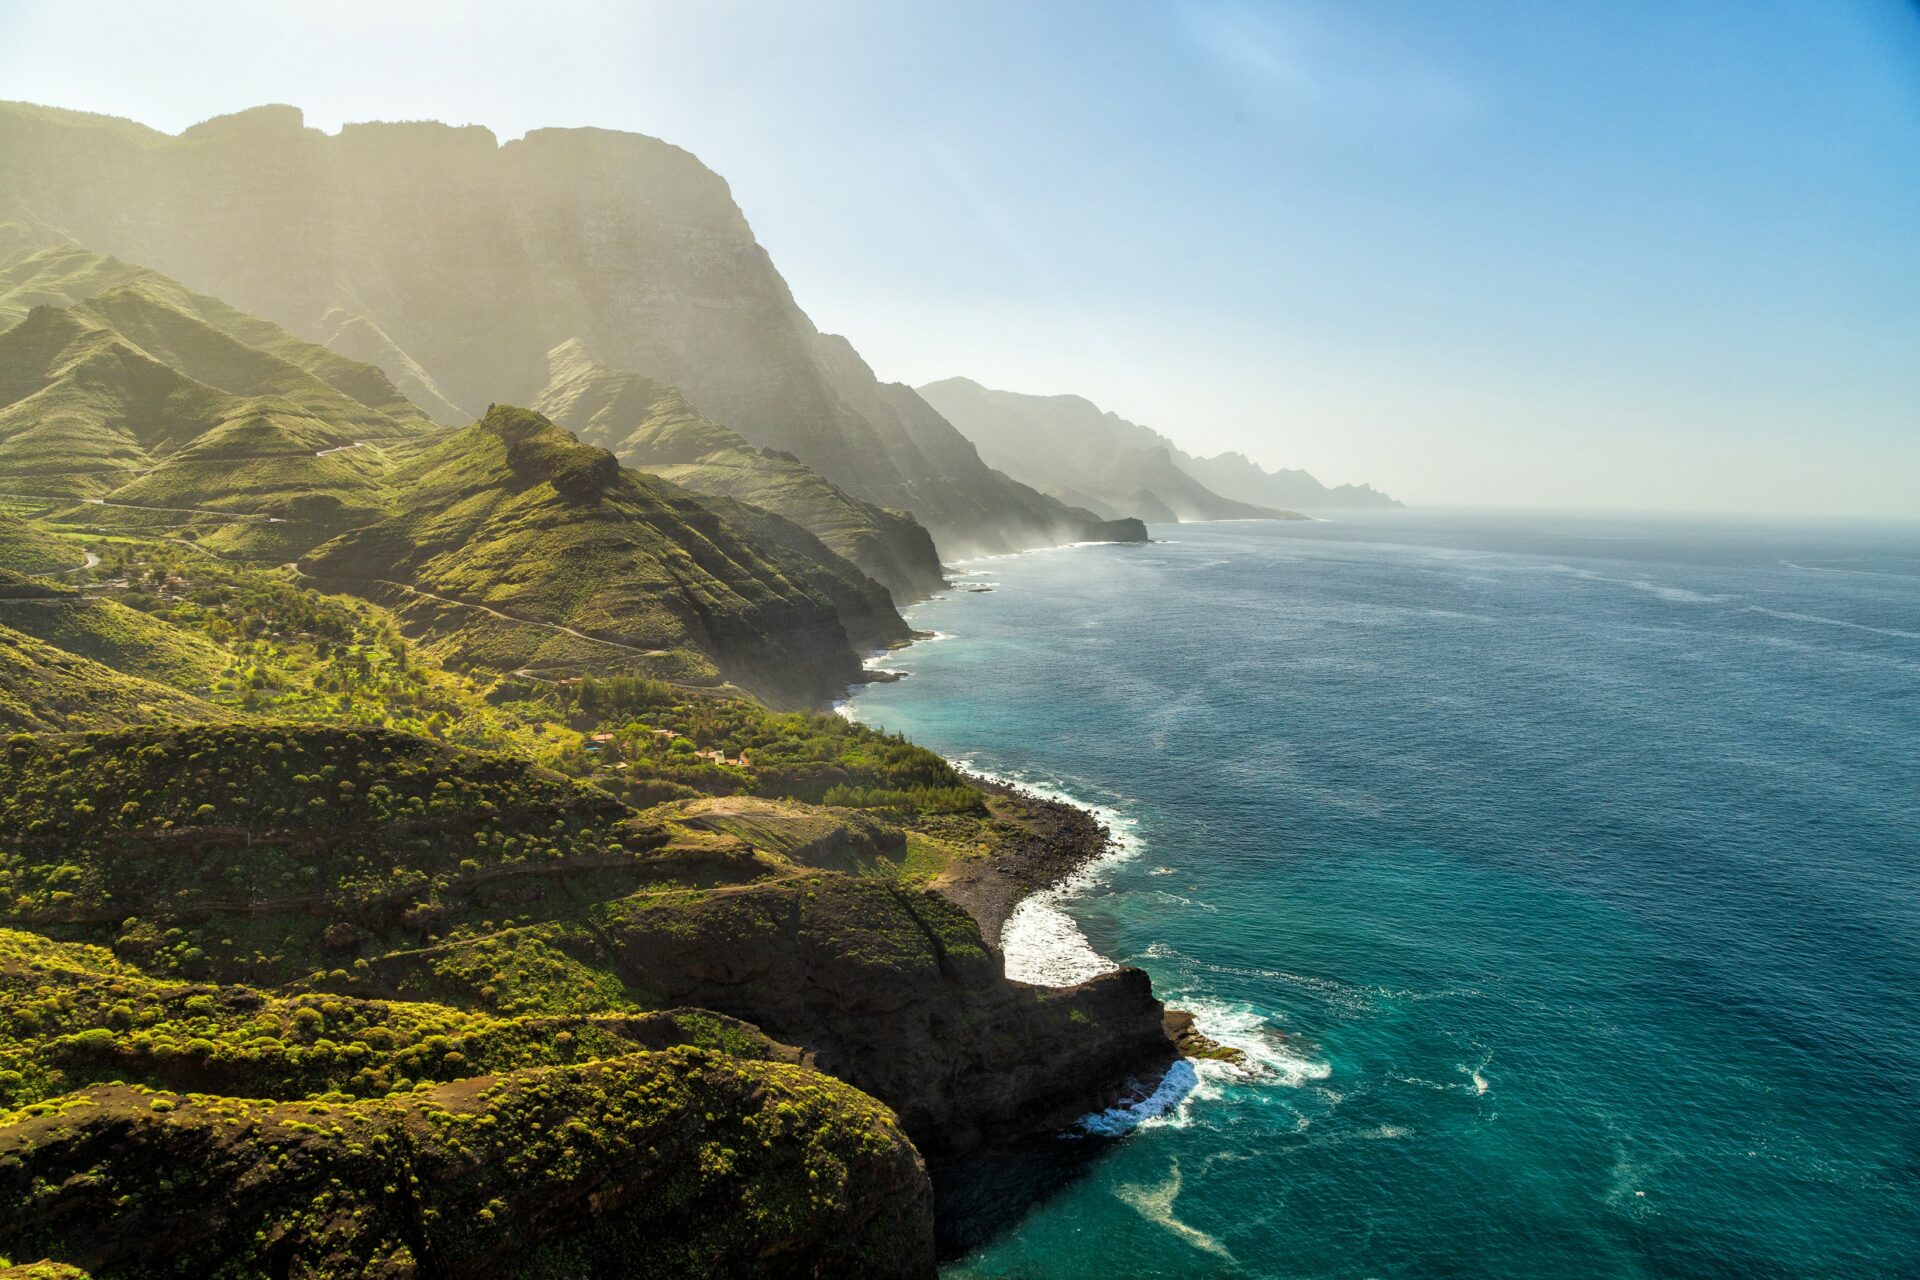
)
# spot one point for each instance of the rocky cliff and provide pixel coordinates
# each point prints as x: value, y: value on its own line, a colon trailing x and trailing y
x: 456, y: 264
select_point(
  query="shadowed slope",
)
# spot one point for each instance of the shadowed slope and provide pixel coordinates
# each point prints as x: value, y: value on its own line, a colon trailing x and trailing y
x: 651, y: 427
x: 516, y: 516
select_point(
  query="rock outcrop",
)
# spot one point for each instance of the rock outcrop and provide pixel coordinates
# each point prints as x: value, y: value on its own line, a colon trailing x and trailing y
x: 895, y: 990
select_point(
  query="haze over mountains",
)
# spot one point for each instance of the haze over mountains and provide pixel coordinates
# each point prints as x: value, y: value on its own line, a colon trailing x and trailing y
x: 1069, y: 447
x: 458, y: 264
x: 159, y: 408
x: 650, y: 425
x: 492, y: 741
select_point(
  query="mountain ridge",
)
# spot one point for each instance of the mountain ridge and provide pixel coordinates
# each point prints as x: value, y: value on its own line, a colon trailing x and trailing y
x: 456, y: 263
x: 650, y: 426
x: 1066, y: 444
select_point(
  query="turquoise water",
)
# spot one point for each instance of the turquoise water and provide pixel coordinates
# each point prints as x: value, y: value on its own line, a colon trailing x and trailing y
x: 1561, y: 877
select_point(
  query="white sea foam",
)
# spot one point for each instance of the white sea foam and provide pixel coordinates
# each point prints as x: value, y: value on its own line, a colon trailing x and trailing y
x: 1180, y: 1081
x: 1787, y: 615
x: 1271, y: 1057
x: 1155, y: 1204
x: 1659, y: 590
x: 1043, y: 944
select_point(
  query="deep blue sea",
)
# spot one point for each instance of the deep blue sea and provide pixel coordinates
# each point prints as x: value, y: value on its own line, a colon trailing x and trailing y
x: 1560, y: 876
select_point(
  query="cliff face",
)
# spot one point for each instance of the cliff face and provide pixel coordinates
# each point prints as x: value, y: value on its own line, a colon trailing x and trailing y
x: 894, y: 990
x: 457, y: 264
x: 891, y: 988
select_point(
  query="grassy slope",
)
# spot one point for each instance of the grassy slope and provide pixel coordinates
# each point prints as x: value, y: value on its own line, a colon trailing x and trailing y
x: 26, y: 547
x: 44, y: 688
x: 526, y: 922
x: 375, y: 866
x: 117, y: 383
x: 516, y: 515
x: 127, y: 640
x: 650, y: 426
x: 63, y: 277
x: 683, y: 1162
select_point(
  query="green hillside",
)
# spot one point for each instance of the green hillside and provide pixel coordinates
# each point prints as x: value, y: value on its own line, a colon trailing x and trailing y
x: 45, y: 688
x: 428, y: 848
x: 119, y: 386
x: 365, y: 866
x: 105, y: 631
x: 579, y: 1143
x: 66, y: 276
x: 649, y: 426
x: 26, y: 547
x: 514, y: 519
x: 344, y: 924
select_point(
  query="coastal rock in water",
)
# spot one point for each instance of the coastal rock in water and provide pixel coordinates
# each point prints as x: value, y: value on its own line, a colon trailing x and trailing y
x: 895, y: 990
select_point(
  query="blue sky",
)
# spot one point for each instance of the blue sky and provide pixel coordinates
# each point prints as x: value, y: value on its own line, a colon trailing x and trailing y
x: 1659, y: 255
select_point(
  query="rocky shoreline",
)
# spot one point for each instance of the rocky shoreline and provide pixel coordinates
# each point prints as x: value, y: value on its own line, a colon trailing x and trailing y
x: 1059, y: 839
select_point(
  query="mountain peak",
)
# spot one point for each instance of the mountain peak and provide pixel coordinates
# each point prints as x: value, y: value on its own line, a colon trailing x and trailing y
x: 267, y: 120
x: 537, y: 452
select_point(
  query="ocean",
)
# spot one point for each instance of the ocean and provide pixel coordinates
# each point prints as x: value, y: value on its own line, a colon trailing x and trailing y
x: 1558, y: 876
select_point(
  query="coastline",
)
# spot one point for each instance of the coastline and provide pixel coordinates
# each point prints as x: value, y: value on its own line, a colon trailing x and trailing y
x: 1065, y: 838
x: 1069, y: 839
x: 1062, y: 839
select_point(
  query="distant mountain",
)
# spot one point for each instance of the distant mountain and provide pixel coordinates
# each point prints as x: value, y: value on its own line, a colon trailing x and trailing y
x: 650, y: 426
x: 1069, y: 447
x: 1238, y: 476
x: 457, y: 264
x: 516, y: 544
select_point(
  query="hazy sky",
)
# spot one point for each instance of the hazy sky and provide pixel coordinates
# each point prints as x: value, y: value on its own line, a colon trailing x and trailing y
x: 1611, y: 254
